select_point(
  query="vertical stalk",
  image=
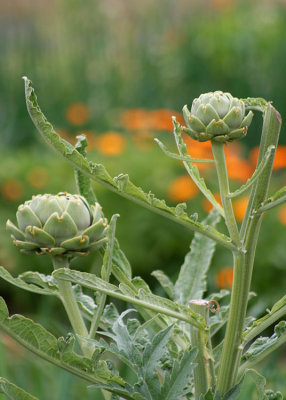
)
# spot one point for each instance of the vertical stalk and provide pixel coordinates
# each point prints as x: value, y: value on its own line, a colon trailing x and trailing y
x: 198, y: 340
x: 243, y: 263
x: 218, y: 152
x: 70, y: 304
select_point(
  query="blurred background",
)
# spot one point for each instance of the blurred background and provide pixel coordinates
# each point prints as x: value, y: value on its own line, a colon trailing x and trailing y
x: 117, y: 71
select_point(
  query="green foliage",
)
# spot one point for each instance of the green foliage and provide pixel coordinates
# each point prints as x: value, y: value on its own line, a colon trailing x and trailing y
x: 155, y: 347
x: 121, y: 183
x: 13, y: 392
x: 191, y: 283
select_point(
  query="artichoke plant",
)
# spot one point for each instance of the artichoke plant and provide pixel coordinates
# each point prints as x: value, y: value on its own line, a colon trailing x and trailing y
x: 217, y: 116
x: 61, y: 224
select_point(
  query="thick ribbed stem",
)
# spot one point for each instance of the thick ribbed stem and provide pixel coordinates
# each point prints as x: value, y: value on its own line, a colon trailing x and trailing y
x: 198, y: 341
x: 243, y: 263
x: 218, y: 152
x: 70, y: 304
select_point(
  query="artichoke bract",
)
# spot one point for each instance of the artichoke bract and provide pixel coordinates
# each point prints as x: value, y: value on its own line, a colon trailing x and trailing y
x: 217, y: 116
x: 61, y: 224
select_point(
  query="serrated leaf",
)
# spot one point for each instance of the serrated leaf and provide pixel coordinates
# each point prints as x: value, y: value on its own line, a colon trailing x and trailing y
x: 83, y: 182
x: 178, y: 379
x: 121, y: 184
x: 40, y: 283
x: 256, y: 174
x: 277, y: 311
x: 148, y: 301
x: 255, y: 103
x: 263, y: 346
x: 191, y: 283
x: 124, y: 341
x: 117, y: 389
x: 165, y: 282
x: 152, y: 354
x: 41, y: 342
x: 278, y: 198
x: 13, y: 392
x: 120, y: 260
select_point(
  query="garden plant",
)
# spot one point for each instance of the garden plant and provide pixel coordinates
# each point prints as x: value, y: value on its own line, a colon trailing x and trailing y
x: 180, y: 346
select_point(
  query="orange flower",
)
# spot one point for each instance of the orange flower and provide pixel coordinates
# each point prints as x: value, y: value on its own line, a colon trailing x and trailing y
x: 77, y: 113
x: 282, y: 215
x: 111, y: 143
x: 140, y: 119
x: 279, y: 160
x: 224, y: 278
x: 239, y: 207
x: 12, y: 189
x: 38, y: 177
x: 207, y: 206
x: 182, y: 189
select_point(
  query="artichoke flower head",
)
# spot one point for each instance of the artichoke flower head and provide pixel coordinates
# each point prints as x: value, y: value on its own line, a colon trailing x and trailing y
x: 217, y: 116
x: 61, y: 224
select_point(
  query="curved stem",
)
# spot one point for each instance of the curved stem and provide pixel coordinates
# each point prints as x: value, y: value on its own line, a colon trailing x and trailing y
x: 70, y: 304
x: 218, y: 152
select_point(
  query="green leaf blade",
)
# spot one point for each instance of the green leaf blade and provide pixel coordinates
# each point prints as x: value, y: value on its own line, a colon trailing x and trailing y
x: 13, y: 392
x: 191, y: 283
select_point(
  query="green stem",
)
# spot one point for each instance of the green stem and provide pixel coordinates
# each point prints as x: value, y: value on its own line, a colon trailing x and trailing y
x: 218, y: 152
x: 198, y: 341
x: 70, y: 304
x: 243, y: 263
x: 264, y: 323
x: 259, y: 357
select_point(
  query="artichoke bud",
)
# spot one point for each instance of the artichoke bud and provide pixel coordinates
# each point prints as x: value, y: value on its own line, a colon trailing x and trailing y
x: 62, y: 224
x: 217, y: 116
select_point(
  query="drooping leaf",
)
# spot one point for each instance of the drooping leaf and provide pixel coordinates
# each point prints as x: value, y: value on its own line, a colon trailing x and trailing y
x: 83, y: 182
x: 278, y: 198
x: 121, y: 183
x: 177, y: 382
x: 191, y: 283
x: 263, y: 346
x: 148, y: 301
x: 13, y: 392
x: 258, y: 171
x: 165, y: 282
x: 41, y: 342
x: 278, y: 310
x: 32, y: 281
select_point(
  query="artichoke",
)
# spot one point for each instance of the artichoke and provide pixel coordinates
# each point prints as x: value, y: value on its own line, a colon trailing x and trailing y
x: 217, y: 116
x: 62, y: 224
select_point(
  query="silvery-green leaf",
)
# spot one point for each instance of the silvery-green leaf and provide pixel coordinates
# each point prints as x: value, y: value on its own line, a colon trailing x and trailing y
x: 177, y: 381
x: 165, y: 282
x: 35, y: 286
x: 191, y: 282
